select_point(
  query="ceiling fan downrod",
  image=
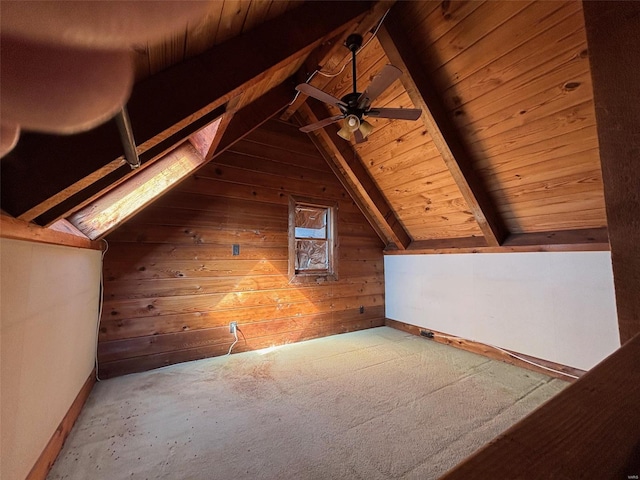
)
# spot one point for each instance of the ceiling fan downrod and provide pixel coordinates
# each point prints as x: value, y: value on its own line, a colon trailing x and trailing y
x: 354, y: 106
x: 353, y: 43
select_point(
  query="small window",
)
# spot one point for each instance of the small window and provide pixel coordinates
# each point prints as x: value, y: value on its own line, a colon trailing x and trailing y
x: 311, y: 240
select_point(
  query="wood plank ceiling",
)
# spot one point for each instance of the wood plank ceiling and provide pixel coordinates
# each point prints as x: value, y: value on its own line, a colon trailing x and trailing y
x: 224, y: 20
x: 505, y: 155
x: 514, y: 79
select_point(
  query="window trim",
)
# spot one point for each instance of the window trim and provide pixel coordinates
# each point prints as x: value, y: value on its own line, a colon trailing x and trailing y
x: 314, y: 276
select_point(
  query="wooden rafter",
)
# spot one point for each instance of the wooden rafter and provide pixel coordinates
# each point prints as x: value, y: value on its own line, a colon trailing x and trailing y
x: 65, y: 226
x: 98, y: 183
x: 349, y: 187
x: 352, y: 173
x: 582, y: 240
x: 204, y: 139
x: 330, y: 56
x: 105, y: 214
x: 397, y: 47
x: 195, y: 86
x: 71, y: 190
x: 164, y: 106
x: 614, y: 55
x: 20, y: 230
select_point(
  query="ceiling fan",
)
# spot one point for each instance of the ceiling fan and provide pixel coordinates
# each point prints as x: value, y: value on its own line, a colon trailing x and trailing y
x: 355, y: 105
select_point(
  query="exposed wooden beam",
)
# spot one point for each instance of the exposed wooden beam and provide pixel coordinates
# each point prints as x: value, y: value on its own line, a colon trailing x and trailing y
x: 589, y: 430
x: 105, y: 214
x: 561, y: 240
x: 203, y: 139
x: 331, y: 55
x: 65, y: 226
x: 397, y: 46
x: 582, y: 240
x: 164, y: 105
x: 352, y: 172
x: 614, y: 55
x: 251, y: 116
x: 97, y: 183
x: 349, y: 187
x: 69, y: 191
x: 214, y: 132
x: 195, y: 86
x: 19, y: 230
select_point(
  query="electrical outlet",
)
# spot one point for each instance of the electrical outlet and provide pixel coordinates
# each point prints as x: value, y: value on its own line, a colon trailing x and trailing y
x: 233, y: 326
x: 426, y: 333
x: 361, y: 308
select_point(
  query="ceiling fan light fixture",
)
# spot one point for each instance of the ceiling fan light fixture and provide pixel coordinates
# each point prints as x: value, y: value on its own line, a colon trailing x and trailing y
x: 365, y: 128
x: 344, y: 132
x: 350, y: 125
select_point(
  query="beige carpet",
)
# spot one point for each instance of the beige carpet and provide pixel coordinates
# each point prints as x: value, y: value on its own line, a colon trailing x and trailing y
x: 375, y: 404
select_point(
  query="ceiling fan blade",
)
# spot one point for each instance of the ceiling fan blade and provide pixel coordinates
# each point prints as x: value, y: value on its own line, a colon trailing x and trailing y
x: 379, y: 84
x: 397, y: 113
x: 318, y: 94
x: 321, y: 123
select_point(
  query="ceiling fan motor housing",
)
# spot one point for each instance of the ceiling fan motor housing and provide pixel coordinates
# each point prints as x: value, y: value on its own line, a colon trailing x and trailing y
x: 351, y: 105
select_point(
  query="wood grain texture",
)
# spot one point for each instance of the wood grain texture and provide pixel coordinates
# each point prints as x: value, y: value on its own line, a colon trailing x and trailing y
x: 101, y: 182
x: 514, y: 81
x: 163, y: 106
x: 223, y: 19
x: 444, y: 134
x: 138, y: 364
x: 406, y: 165
x: 614, y: 53
x: 351, y: 167
x: 251, y: 58
x: 589, y: 430
x: 121, y: 203
x: 251, y: 116
x: 545, y: 367
x: 50, y: 453
x: 172, y: 284
x: 350, y: 187
x: 68, y: 192
x: 66, y: 227
x: 331, y: 56
x: 20, y: 230
x: 580, y: 240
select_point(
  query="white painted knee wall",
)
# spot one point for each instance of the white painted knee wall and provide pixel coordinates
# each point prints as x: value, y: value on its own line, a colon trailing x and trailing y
x: 555, y: 306
x: 49, y: 309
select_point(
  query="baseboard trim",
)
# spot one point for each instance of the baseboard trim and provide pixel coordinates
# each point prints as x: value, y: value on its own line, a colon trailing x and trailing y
x: 563, y: 372
x: 51, y: 451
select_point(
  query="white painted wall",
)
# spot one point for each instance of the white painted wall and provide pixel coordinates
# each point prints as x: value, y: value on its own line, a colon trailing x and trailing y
x: 48, y: 314
x: 555, y: 306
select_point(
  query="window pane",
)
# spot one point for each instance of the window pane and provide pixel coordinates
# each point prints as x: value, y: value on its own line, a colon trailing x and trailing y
x: 312, y: 255
x: 311, y: 222
x: 302, y: 232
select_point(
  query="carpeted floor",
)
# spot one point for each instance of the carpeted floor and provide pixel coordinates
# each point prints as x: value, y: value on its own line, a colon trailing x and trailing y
x: 374, y: 404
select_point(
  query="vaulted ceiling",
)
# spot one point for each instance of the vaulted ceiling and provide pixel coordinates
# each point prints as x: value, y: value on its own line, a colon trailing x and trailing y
x: 504, y: 156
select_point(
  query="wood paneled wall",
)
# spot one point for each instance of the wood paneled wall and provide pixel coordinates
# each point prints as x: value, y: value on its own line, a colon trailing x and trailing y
x: 172, y: 285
